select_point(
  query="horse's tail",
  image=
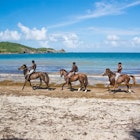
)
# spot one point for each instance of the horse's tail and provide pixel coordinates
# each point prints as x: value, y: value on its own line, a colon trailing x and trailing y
x: 47, y: 78
x: 133, y: 78
x: 86, y: 81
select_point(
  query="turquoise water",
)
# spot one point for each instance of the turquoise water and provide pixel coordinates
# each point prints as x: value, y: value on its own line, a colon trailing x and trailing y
x: 90, y: 63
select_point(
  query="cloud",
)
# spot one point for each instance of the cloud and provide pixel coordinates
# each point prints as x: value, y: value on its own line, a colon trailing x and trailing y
x: 113, y: 40
x: 41, y: 37
x: 100, y: 9
x: 35, y: 37
x: 118, y: 31
x: 69, y: 40
x: 134, y: 3
x: 9, y: 35
x: 33, y: 34
x: 44, y: 44
x: 136, y: 41
x: 107, y: 8
x: 116, y: 41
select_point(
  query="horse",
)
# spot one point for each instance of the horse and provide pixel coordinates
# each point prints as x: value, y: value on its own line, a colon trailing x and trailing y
x: 79, y: 76
x: 122, y: 78
x: 42, y: 75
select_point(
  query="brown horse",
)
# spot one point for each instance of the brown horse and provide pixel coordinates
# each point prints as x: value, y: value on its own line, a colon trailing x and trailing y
x: 42, y: 75
x: 122, y: 78
x: 80, y: 76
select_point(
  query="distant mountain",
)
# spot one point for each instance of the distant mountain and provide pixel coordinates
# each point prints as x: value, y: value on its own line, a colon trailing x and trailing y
x: 9, y: 47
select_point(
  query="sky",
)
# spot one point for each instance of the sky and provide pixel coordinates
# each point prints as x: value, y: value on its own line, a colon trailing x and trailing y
x: 72, y: 25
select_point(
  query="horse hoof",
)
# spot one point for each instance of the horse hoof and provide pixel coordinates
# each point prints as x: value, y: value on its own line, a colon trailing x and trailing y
x: 79, y: 89
x: 34, y: 87
x: 129, y: 91
x: 86, y: 90
x: 114, y: 92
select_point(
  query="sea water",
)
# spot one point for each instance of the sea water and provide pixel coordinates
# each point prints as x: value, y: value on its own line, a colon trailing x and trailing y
x: 92, y: 64
x: 89, y: 63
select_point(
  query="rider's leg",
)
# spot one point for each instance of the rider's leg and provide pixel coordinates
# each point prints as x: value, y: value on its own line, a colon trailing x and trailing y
x: 28, y: 77
x: 29, y: 74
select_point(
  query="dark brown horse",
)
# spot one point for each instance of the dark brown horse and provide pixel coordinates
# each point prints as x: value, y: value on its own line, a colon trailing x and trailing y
x: 42, y: 75
x: 79, y: 76
x: 123, y: 78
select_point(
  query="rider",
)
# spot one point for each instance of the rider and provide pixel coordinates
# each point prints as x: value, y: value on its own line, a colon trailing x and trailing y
x: 32, y: 69
x: 119, y: 70
x: 72, y: 72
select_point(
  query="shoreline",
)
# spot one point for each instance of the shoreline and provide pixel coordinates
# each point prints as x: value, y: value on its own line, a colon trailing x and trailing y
x: 93, y: 79
x: 98, y: 91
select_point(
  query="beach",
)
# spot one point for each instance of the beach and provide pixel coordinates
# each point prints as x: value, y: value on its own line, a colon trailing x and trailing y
x: 55, y: 114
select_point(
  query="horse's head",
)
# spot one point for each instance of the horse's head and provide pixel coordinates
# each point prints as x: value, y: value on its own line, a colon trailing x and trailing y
x: 23, y: 67
x: 107, y: 71
x: 63, y: 72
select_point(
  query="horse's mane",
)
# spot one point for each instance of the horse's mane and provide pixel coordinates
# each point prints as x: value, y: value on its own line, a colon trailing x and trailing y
x: 25, y: 65
x: 63, y: 70
x: 111, y: 72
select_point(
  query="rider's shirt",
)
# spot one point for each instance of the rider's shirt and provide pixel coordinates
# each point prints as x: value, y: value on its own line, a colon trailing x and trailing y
x: 33, y: 68
x: 74, y: 68
x: 118, y: 72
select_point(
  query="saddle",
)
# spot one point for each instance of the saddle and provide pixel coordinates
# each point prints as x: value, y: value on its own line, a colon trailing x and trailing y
x: 28, y: 75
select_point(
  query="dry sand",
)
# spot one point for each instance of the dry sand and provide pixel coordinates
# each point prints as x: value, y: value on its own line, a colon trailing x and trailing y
x: 54, y: 114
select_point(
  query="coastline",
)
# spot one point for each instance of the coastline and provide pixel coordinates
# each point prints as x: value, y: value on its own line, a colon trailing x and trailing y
x: 93, y: 79
x: 11, y: 84
x: 54, y: 77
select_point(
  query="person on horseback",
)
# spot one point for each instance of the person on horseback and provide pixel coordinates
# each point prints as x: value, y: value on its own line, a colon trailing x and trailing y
x: 72, y: 72
x: 119, y: 70
x: 32, y: 69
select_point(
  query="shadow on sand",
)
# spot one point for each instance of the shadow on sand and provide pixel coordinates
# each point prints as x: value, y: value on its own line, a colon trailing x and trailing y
x: 120, y: 90
x: 75, y: 89
x: 37, y: 87
x: 135, y: 133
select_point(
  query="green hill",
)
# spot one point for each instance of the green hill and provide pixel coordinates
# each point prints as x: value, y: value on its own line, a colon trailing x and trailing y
x: 9, y: 47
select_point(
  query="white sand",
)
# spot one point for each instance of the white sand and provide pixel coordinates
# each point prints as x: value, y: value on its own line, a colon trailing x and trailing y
x: 45, y: 118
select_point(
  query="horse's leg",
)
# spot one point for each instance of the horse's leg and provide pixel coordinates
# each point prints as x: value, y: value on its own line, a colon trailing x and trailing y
x: 70, y: 85
x: 114, y: 87
x: 126, y: 82
x: 46, y: 84
x: 40, y: 82
x: 108, y: 87
x: 46, y: 79
x: 64, y: 85
x: 128, y: 87
x: 80, y: 85
x: 24, y: 84
x: 31, y: 85
x: 85, y: 85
